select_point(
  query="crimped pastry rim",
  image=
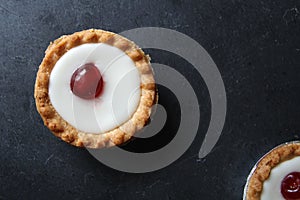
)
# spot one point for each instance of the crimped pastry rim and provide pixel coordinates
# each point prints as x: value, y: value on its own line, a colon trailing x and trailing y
x: 61, y: 128
x: 249, y: 189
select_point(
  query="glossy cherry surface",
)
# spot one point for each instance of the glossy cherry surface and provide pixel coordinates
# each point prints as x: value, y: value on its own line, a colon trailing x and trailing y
x: 86, y: 81
x: 290, y: 186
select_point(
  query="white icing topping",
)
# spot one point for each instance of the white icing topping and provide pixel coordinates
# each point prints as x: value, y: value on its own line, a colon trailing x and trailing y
x: 118, y: 100
x: 272, y: 186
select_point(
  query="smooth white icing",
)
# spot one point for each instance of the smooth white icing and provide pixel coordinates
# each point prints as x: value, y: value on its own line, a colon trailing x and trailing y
x: 272, y: 186
x: 118, y: 100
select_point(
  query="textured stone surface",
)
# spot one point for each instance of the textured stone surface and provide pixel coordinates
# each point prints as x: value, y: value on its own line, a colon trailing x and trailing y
x: 256, y: 46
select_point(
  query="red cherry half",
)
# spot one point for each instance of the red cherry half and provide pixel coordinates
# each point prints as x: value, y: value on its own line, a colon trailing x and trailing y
x: 290, y: 186
x: 86, y: 81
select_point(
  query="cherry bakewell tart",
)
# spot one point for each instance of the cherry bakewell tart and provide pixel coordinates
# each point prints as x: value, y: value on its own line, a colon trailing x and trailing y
x: 95, y: 88
x: 276, y: 176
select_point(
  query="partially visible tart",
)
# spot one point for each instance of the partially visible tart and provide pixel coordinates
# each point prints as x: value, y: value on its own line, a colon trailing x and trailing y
x: 95, y: 88
x: 276, y: 176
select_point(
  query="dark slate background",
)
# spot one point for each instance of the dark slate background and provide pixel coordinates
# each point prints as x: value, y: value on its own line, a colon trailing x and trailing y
x: 255, y: 45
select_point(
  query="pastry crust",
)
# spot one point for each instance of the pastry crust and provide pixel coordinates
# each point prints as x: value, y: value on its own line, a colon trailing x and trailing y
x: 262, y: 169
x: 63, y: 129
